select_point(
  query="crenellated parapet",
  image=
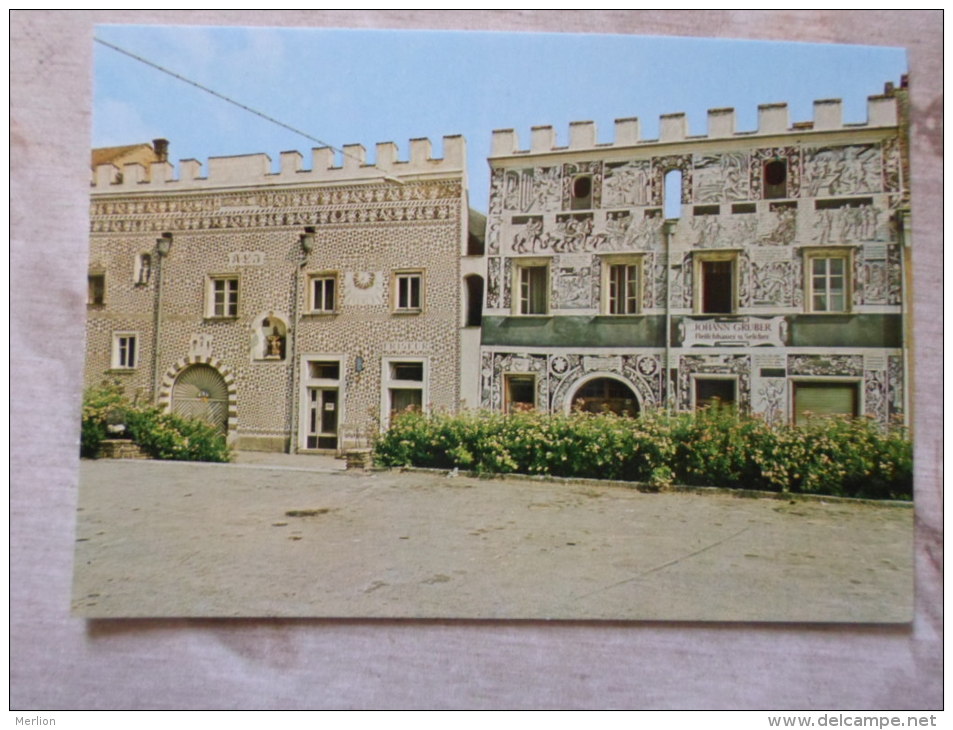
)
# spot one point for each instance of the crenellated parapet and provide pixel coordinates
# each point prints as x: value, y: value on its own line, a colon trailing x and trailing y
x: 256, y: 169
x: 773, y: 119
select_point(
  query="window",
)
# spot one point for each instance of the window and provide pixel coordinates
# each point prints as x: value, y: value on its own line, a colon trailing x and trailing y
x: 125, y: 354
x: 404, y: 387
x: 323, y: 289
x: 775, y: 179
x: 474, y: 288
x: 532, y: 287
x: 223, y: 296
x: 672, y: 194
x: 520, y: 393
x: 827, y: 278
x: 711, y: 392
x: 581, y: 192
x: 825, y: 399
x: 715, y: 282
x: 408, y: 291
x: 143, y: 270
x: 621, y: 285
x: 96, y: 289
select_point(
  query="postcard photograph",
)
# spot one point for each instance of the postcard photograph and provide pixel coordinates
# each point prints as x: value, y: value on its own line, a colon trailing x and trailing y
x: 408, y: 324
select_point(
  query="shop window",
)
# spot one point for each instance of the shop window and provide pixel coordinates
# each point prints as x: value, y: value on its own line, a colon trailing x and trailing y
x: 827, y: 280
x: 520, y: 393
x: 825, y: 399
x: 716, y: 283
x: 776, y: 179
x: 715, y: 392
x: 222, y: 297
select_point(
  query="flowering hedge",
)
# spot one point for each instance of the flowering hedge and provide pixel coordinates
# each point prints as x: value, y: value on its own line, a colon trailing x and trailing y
x: 714, y: 447
x: 161, y: 435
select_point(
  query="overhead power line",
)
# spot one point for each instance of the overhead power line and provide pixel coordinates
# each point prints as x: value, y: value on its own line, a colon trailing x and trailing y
x: 233, y: 102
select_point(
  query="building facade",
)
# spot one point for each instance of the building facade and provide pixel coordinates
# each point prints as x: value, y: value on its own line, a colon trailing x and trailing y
x: 295, y: 309
x: 764, y: 269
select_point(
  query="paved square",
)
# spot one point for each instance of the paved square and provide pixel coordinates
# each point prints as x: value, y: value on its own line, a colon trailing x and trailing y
x: 280, y: 539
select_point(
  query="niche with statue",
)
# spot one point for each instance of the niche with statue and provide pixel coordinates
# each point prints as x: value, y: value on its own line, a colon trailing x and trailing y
x: 270, y: 337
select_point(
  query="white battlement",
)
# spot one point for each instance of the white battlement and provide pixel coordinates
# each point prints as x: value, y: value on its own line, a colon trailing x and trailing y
x: 255, y: 169
x: 773, y: 119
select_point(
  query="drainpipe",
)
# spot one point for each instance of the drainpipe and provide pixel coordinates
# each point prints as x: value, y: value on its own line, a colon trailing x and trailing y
x: 668, y: 230
x: 906, y: 317
x: 306, y: 244
x: 163, y: 244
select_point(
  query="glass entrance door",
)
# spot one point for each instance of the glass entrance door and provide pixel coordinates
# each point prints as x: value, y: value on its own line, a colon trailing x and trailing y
x: 322, y: 418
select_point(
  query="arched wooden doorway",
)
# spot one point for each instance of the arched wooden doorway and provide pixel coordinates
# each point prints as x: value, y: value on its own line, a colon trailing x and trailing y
x: 200, y: 392
x: 606, y: 395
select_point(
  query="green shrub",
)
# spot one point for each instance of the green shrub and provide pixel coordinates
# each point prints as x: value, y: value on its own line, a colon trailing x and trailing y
x: 713, y: 447
x: 161, y: 435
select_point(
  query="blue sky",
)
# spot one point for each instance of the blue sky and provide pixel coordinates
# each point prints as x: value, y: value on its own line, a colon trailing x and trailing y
x: 363, y: 87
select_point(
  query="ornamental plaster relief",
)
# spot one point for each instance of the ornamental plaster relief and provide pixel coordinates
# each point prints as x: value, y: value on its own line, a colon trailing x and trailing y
x: 738, y: 365
x: 629, y: 183
x: 721, y: 177
x: 847, y: 170
x: 792, y: 155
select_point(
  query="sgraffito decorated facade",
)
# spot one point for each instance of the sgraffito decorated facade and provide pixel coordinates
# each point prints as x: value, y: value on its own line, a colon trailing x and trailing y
x: 297, y: 308
x: 764, y: 268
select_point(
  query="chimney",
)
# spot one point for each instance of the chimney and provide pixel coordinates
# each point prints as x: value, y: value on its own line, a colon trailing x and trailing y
x: 161, y: 147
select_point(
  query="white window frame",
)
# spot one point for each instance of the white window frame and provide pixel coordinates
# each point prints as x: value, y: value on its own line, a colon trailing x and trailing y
x: 813, y: 254
x: 210, y: 298
x: 698, y: 295
x: 390, y: 382
x: 139, y: 268
x: 314, y: 305
x: 406, y: 276
x: 120, y: 359
x: 608, y: 262
x: 518, y: 298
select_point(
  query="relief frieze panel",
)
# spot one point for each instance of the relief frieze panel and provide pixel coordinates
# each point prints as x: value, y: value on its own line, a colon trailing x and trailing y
x: 573, y: 284
x: 844, y: 170
x: 849, y: 223
x: 629, y: 183
x: 719, y: 178
x: 493, y: 288
x: 535, y: 189
x: 852, y: 365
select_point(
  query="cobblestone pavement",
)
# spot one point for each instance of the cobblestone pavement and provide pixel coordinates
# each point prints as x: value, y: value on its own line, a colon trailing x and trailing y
x: 278, y: 535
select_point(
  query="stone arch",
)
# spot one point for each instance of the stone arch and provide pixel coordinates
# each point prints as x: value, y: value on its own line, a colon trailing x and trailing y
x: 593, y: 377
x: 164, y: 399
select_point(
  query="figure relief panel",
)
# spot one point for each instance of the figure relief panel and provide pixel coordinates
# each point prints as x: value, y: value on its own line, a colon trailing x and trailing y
x: 877, y: 272
x: 894, y: 386
x: 854, y: 221
x: 893, y: 175
x: 875, y: 394
x: 777, y: 227
x: 760, y: 157
x: 775, y: 283
x: 719, y: 178
x: 843, y: 365
x: 493, y: 236
x: 493, y: 288
x: 629, y: 183
x: 534, y: 189
x: 769, y: 400
x: 495, y: 207
x: 633, y: 231
x: 573, y: 282
x: 846, y: 170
